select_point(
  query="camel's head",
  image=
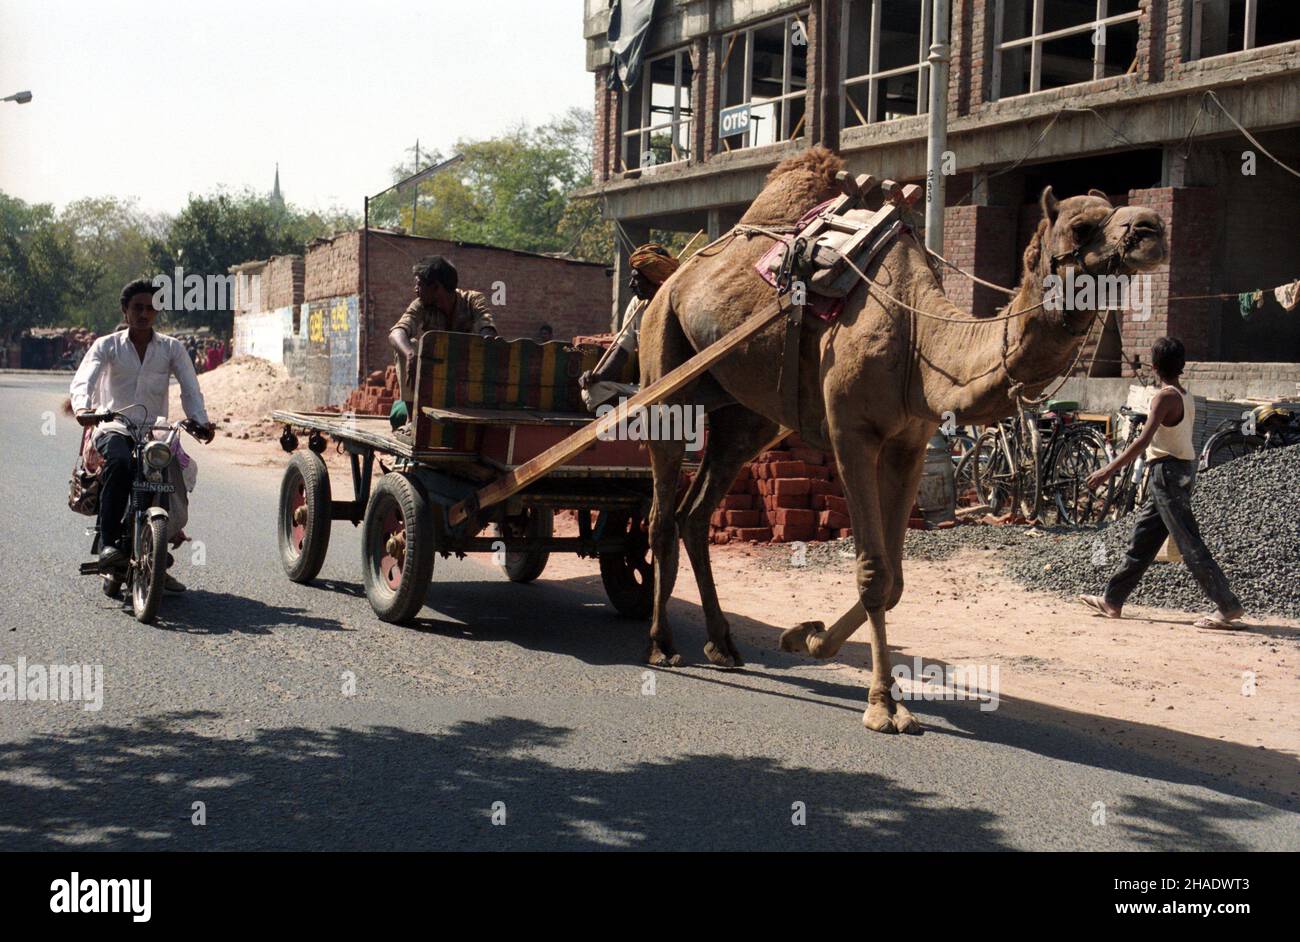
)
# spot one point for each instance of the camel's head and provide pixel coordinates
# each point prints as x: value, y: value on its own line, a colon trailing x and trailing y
x: 1088, y: 232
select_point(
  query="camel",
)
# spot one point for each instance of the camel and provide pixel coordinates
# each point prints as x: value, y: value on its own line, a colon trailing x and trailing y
x: 873, y: 387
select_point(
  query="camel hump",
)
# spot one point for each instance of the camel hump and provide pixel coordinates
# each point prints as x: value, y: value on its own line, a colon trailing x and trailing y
x: 817, y: 160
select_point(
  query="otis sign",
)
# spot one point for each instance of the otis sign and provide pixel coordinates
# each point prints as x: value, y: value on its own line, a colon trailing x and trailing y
x: 733, y: 120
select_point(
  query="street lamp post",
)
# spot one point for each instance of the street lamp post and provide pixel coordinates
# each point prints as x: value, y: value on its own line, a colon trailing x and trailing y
x: 21, y: 98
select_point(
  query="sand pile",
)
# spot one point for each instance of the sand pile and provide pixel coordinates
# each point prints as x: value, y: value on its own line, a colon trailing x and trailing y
x: 241, y: 394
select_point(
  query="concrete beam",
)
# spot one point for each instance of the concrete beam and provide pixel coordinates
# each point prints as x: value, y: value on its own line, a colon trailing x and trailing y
x: 1148, y: 116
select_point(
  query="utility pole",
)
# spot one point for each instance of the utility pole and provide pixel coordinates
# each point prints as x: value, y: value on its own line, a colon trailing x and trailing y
x: 935, y: 184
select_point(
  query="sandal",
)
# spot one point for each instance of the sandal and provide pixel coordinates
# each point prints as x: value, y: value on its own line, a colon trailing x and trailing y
x: 1097, y: 604
x: 1217, y: 623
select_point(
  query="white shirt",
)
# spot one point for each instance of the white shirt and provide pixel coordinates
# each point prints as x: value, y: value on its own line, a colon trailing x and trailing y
x: 629, y: 335
x: 111, y: 376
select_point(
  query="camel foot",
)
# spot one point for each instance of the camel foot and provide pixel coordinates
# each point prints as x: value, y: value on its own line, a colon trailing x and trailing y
x: 877, y: 719
x: 718, y: 656
x: 796, y: 639
x: 905, y: 722
x: 663, y: 656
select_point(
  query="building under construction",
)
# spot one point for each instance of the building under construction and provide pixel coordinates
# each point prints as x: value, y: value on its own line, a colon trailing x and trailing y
x: 1190, y: 107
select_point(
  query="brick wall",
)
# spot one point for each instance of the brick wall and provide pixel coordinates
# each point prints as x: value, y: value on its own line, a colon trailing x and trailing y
x: 970, y: 68
x: 1152, y: 47
x: 332, y: 267
x: 1242, y: 371
x: 1192, y: 221
x: 573, y: 297
x: 980, y: 240
x: 282, y: 282
x: 709, y: 82
x: 606, y: 128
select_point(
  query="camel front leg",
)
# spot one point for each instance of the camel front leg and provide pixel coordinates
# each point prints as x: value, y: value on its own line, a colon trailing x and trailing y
x: 898, y: 473
x: 902, y: 461
x: 857, y: 456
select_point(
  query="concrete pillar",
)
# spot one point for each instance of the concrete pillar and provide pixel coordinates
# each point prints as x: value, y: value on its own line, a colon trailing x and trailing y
x: 1198, y: 168
x: 1005, y: 189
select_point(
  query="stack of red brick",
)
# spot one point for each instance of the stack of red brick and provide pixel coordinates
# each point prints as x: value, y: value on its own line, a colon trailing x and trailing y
x: 790, y: 493
x: 376, y: 395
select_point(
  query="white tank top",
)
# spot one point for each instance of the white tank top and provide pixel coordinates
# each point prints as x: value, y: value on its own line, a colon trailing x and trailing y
x: 1175, y: 441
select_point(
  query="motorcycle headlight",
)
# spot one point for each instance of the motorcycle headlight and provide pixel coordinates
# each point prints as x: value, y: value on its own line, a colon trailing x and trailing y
x: 157, y: 455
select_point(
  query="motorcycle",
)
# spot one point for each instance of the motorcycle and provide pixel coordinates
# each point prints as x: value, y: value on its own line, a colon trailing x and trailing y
x: 147, y: 557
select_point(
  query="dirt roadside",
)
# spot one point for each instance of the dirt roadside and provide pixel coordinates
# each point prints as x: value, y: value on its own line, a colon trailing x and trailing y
x: 1150, y: 680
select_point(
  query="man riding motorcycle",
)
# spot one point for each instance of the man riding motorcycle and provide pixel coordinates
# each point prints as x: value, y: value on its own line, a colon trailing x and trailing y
x: 131, y: 365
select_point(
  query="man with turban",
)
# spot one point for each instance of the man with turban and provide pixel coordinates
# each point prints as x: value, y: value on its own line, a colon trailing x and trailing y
x: 651, y: 266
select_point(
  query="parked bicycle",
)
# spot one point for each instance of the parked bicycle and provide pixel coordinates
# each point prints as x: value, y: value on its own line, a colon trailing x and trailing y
x: 1266, y: 427
x: 1071, y: 451
x: 1038, y: 465
x: 1003, y: 469
x: 1129, y: 490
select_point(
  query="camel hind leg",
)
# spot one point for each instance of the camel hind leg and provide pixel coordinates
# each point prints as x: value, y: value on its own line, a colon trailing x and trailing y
x: 666, y: 463
x: 735, y: 436
x: 663, y: 347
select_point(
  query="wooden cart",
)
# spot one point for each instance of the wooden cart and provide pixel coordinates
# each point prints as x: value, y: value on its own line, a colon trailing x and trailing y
x: 499, y: 441
x: 483, y: 408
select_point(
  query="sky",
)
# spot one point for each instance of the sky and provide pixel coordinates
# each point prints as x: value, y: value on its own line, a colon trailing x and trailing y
x: 157, y: 100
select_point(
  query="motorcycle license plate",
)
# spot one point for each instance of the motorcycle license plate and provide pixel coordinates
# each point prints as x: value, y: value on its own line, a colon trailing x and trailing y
x: 154, y: 487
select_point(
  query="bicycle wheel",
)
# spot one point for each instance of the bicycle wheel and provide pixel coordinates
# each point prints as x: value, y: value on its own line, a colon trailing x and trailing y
x: 1028, y: 453
x: 967, y: 474
x: 1081, y: 453
x: 1228, y: 446
x: 994, y: 472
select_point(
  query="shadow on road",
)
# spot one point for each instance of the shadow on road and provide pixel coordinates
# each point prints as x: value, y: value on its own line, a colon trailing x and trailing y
x: 1143, y: 749
x: 133, y: 788
x: 198, y: 611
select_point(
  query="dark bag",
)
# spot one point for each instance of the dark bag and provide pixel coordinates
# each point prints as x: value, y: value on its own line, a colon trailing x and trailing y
x: 83, y: 490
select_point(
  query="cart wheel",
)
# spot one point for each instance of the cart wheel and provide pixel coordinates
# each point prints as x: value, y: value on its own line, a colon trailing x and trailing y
x: 304, y: 518
x: 629, y: 577
x: 397, y: 548
x: 537, y: 523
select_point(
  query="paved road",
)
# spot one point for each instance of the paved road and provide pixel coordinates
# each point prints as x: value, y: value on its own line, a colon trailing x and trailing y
x: 531, y: 696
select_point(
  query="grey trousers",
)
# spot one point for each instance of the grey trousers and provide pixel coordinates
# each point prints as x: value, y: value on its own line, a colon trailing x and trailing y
x: 1168, y: 512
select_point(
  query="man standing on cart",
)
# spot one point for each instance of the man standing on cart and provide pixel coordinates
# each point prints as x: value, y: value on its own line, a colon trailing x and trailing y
x: 439, y: 305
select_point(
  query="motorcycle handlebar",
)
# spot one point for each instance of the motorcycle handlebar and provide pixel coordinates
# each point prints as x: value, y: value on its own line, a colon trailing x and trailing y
x: 198, y: 431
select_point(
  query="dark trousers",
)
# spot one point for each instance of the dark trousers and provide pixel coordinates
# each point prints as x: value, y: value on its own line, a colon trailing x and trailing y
x: 1168, y: 512
x: 115, y: 488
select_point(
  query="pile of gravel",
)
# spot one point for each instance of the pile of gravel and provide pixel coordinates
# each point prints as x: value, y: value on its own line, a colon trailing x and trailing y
x: 930, y: 545
x: 1249, y: 514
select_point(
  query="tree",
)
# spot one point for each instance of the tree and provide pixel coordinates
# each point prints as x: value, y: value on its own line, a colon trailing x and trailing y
x: 215, y: 232
x: 511, y: 191
x: 42, y: 273
x: 113, y: 238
